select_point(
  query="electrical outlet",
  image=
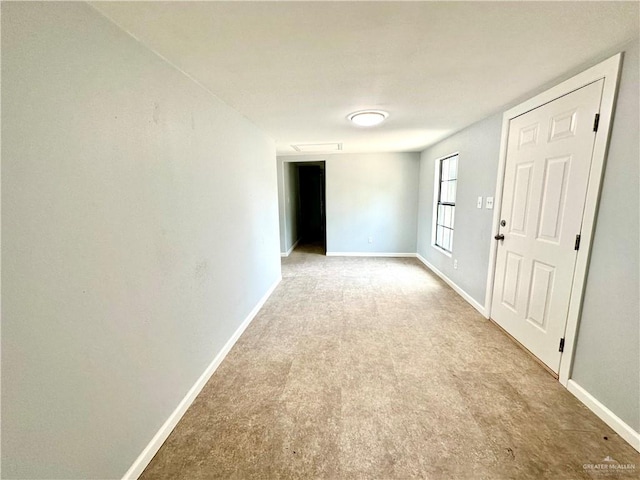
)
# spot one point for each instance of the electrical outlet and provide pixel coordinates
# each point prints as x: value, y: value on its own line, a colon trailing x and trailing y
x: 370, y: 239
x: 489, y: 203
x: 479, y: 202
x: 455, y: 263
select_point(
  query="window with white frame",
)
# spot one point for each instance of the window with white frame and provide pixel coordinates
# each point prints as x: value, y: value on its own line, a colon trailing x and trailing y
x: 447, y: 171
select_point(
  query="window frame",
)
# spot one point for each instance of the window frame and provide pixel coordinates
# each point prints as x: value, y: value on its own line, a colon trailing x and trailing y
x: 437, y: 183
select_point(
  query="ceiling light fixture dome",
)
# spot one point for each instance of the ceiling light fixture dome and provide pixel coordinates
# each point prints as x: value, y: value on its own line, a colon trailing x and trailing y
x: 368, y: 118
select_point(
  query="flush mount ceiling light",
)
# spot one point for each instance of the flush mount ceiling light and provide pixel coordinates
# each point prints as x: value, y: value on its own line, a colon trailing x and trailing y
x: 368, y: 118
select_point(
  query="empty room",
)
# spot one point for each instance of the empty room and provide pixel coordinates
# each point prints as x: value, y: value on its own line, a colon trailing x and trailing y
x: 333, y: 240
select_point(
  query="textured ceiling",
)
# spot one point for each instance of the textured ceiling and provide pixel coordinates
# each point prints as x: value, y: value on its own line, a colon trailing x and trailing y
x: 297, y: 69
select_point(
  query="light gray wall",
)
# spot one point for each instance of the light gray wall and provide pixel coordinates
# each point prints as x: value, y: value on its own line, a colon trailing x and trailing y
x: 139, y: 230
x: 372, y: 195
x: 607, y: 358
x: 292, y: 203
x: 282, y: 210
x: 288, y: 193
x: 479, y: 148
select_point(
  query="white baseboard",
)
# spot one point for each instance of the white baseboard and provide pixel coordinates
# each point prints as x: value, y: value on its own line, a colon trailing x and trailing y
x: 158, y: 439
x: 606, y: 415
x: 455, y: 287
x: 288, y: 252
x: 369, y: 254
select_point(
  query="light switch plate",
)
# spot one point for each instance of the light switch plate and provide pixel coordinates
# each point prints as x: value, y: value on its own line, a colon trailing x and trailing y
x: 479, y: 202
x: 489, y: 203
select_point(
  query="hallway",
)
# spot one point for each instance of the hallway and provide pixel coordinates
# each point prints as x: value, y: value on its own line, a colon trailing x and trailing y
x: 374, y: 368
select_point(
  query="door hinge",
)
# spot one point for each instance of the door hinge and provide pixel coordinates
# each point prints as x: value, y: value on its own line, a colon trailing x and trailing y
x: 577, y: 245
x: 596, y: 121
x: 561, y: 347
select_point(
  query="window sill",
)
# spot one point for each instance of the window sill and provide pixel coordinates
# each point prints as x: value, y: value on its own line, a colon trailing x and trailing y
x: 441, y: 250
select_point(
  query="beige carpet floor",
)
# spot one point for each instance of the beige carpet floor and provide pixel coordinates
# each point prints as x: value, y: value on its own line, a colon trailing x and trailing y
x: 373, y: 368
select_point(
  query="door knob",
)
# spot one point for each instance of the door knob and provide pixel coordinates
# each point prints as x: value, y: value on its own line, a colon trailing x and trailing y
x: 499, y: 237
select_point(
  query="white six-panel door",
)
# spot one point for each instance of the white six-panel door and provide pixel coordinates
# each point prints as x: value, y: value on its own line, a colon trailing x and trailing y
x: 548, y: 160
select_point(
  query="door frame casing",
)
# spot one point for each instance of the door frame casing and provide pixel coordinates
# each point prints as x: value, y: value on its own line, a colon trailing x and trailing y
x: 609, y: 70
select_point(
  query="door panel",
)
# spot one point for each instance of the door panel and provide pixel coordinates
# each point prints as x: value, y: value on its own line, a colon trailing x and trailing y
x: 547, y: 168
x: 511, y: 280
x: 529, y: 135
x: 553, y: 198
x: 539, y: 293
x: 563, y: 126
x: 522, y: 186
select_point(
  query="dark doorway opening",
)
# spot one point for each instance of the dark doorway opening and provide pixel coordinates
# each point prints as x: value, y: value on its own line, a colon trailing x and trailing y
x: 312, y: 220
